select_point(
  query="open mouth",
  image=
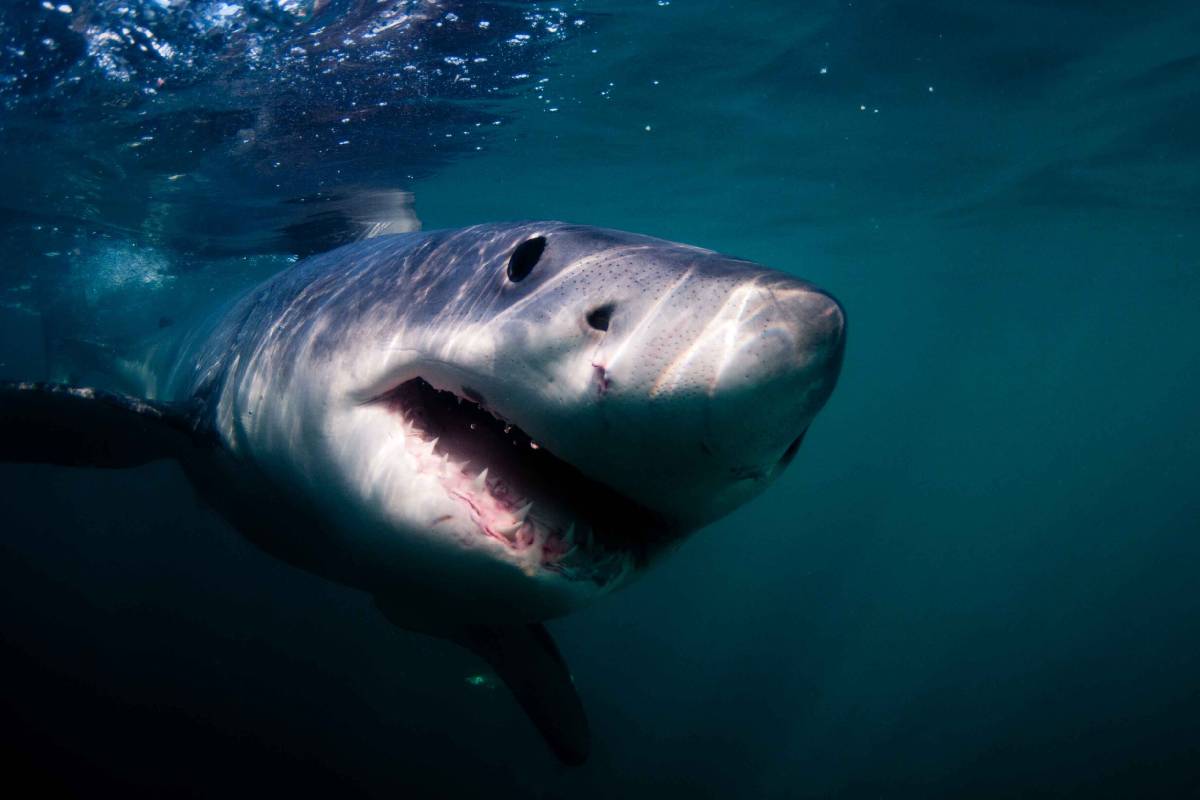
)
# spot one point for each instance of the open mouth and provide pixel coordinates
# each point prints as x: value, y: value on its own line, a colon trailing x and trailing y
x: 548, y: 513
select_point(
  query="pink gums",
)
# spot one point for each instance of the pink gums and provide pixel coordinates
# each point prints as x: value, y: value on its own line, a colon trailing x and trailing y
x: 493, y: 508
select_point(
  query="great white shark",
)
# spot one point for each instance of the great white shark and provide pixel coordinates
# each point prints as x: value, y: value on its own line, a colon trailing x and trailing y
x: 483, y: 428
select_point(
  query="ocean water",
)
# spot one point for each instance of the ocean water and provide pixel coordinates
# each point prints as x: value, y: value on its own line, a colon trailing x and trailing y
x: 977, y: 579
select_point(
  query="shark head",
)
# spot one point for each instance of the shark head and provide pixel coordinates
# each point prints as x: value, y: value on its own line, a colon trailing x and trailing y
x: 525, y: 416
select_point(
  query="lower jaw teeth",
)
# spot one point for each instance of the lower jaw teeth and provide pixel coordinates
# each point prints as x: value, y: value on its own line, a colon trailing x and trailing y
x: 572, y: 550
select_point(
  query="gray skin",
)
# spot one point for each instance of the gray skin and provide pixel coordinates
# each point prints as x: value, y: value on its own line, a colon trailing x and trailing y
x: 620, y: 391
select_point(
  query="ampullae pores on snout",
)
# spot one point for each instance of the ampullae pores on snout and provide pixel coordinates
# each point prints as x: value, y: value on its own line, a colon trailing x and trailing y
x: 483, y: 428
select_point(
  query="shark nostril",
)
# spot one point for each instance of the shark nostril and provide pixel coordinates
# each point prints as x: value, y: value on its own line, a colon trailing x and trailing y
x: 599, y: 317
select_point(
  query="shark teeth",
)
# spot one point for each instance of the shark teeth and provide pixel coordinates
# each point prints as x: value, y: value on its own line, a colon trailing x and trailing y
x: 493, y: 491
x: 510, y: 531
x: 527, y: 536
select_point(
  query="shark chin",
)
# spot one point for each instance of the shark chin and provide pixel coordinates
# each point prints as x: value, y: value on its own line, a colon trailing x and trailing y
x: 482, y: 428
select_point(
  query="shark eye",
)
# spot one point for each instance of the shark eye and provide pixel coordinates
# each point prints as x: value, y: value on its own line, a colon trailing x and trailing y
x: 525, y: 258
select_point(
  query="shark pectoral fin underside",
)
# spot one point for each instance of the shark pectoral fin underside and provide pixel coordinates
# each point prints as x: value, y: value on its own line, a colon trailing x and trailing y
x: 526, y: 658
x: 51, y: 423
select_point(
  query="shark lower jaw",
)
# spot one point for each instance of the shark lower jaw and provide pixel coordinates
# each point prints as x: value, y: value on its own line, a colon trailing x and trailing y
x: 548, y: 517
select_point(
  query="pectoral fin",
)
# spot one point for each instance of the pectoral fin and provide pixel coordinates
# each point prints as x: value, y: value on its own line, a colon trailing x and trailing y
x: 526, y: 658
x: 51, y: 423
x: 528, y: 661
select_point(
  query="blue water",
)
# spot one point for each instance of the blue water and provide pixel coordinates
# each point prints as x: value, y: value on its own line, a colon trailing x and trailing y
x: 978, y: 578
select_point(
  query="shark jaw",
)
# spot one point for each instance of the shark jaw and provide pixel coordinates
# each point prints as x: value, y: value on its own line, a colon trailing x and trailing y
x: 547, y: 516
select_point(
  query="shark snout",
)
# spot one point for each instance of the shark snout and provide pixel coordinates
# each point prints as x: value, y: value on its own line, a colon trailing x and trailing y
x: 786, y: 333
x: 713, y: 384
x: 820, y: 325
x: 680, y: 378
x: 781, y: 361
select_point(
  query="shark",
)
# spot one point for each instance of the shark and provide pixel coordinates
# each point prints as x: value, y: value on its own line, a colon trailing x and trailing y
x: 482, y: 428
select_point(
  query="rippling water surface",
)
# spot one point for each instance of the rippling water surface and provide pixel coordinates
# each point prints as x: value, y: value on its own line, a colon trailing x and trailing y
x: 978, y: 577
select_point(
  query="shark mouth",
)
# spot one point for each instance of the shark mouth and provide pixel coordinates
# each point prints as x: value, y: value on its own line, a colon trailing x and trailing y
x: 547, y: 513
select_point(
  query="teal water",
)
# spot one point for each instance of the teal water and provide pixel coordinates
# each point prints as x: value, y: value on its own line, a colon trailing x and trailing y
x: 978, y: 578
